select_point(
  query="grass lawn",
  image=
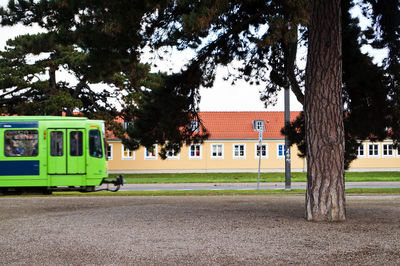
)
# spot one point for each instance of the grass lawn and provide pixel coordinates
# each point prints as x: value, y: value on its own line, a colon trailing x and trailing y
x: 248, y: 177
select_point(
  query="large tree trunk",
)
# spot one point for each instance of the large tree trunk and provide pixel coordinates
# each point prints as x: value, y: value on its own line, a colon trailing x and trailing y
x: 325, y: 199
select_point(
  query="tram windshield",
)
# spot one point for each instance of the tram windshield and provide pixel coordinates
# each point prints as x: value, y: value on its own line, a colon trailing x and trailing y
x: 95, y: 148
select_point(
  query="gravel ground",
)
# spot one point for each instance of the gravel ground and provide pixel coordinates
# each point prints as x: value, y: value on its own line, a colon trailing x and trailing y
x: 217, y: 230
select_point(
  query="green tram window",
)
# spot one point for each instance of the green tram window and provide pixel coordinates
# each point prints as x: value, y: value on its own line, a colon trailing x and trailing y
x: 95, y: 148
x: 21, y: 143
x: 56, y: 143
x: 76, y: 143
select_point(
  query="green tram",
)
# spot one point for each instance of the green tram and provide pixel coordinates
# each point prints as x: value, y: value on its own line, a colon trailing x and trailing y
x: 50, y: 153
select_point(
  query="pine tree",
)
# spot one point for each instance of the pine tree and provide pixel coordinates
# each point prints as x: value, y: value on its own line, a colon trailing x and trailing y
x: 264, y: 36
x: 29, y: 80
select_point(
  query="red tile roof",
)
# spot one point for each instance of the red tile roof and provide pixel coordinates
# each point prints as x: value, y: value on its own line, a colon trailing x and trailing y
x: 239, y: 125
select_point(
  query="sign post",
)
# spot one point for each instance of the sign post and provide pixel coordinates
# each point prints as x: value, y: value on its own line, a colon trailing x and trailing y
x: 260, y: 137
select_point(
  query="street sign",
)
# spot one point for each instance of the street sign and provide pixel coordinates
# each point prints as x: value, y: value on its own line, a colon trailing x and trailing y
x: 287, y: 155
x: 260, y: 135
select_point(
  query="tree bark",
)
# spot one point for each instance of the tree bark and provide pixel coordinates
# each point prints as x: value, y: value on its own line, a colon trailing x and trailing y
x: 325, y: 200
x: 52, y: 78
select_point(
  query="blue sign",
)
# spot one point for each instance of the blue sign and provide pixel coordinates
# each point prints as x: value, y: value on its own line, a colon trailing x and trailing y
x: 19, y: 168
x: 19, y: 124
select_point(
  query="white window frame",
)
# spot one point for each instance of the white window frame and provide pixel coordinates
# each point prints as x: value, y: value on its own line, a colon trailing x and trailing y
x: 194, y: 126
x: 127, y: 124
x: 364, y: 146
x: 374, y: 155
x: 383, y: 150
x: 283, y: 151
x: 222, y: 151
x: 173, y: 157
x: 147, y: 157
x: 200, y: 151
x: 234, y: 156
x: 266, y: 151
x: 110, y: 149
x: 132, y: 157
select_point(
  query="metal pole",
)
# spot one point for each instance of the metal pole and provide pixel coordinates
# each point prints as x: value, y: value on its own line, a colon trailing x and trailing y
x: 287, y: 142
x: 259, y: 166
x: 260, y: 134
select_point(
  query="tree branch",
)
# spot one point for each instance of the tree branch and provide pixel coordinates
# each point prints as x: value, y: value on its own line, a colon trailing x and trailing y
x: 290, y: 52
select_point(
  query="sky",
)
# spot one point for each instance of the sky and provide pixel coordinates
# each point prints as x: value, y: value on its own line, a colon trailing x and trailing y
x: 222, y: 97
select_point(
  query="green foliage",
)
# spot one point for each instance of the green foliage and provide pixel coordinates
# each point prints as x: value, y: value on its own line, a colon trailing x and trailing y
x: 28, y: 78
x: 155, y: 115
x: 101, y: 41
x: 385, y: 33
x: 371, y: 101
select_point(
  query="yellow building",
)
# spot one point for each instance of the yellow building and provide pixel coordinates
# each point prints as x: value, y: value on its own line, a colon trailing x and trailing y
x: 377, y: 156
x: 233, y: 147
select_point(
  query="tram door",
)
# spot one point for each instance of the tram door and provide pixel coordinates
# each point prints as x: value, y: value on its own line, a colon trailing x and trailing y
x: 66, y: 152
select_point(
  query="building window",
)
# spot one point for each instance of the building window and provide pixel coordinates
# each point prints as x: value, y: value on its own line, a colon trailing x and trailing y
x: 258, y: 125
x: 217, y: 151
x: 151, y: 155
x: 239, y: 151
x: 361, y: 151
x: 127, y: 124
x: 109, y: 152
x: 373, y: 150
x: 281, y: 151
x: 171, y: 154
x: 387, y: 150
x: 264, y: 150
x: 194, y: 126
x: 127, y: 154
x: 195, y: 151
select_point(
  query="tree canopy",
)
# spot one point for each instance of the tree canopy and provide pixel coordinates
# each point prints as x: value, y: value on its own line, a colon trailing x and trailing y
x: 96, y: 42
x: 370, y: 96
x: 259, y: 40
x: 102, y: 41
x: 29, y: 83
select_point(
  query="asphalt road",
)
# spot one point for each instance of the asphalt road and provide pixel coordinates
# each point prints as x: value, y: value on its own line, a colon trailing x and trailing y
x: 243, y: 186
